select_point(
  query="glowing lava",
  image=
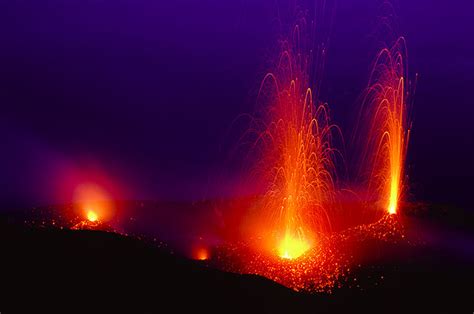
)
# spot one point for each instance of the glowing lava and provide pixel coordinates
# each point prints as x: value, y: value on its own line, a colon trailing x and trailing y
x: 388, y: 133
x: 296, y: 162
x: 94, y: 203
x: 293, y: 222
x: 201, y: 254
x: 92, y: 216
x: 322, y: 267
x: 91, y: 221
x: 291, y: 248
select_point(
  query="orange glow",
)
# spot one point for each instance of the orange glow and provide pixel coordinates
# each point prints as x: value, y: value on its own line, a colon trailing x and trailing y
x: 388, y: 134
x: 94, y: 202
x: 292, y: 234
x: 201, y: 254
x: 320, y: 269
x: 92, y: 216
x: 291, y: 248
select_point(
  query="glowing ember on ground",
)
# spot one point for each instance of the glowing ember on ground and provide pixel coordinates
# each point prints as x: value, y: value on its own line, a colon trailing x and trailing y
x: 321, y: 268
x: 91, y: 221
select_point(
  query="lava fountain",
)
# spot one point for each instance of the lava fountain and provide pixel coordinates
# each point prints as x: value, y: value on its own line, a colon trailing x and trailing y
x: 386, y: 105
x: 296, y: 161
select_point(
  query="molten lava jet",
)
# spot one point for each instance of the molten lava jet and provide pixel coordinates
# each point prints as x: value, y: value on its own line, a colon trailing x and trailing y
x: 291, y: 234
x: 296, y: 161
x: 385, y: 106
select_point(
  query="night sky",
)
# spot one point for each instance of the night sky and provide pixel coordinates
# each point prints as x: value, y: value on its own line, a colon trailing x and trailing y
x: 139, y: 95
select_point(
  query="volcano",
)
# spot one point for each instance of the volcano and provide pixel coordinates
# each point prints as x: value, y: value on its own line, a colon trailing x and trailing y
x: 60, y: 269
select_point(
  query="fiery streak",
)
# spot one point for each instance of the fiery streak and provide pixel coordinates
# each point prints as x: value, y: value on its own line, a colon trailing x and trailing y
x: 296, y: 162
x: 386, y: 101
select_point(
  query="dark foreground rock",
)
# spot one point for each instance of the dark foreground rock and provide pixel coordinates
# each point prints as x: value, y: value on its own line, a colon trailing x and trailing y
x: 54, y: 270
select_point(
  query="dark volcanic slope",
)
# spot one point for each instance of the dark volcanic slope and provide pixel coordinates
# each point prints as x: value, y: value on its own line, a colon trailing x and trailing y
x: 48, y: 268
x: 89, y: 271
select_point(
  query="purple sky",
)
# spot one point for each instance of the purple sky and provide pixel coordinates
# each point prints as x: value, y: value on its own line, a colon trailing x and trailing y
x: 141, y: 93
